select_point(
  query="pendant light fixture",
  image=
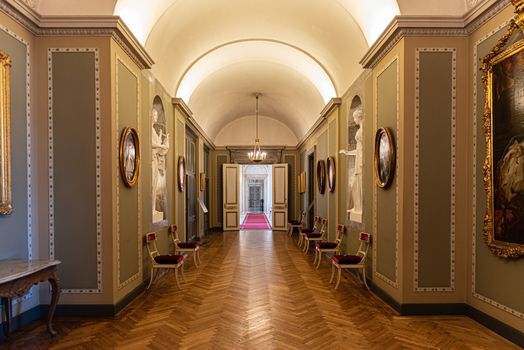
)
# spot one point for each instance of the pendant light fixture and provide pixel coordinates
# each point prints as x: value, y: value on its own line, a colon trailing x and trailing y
x: 256, y: 155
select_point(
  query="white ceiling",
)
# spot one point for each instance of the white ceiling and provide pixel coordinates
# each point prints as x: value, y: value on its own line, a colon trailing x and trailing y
x: 216, y: 53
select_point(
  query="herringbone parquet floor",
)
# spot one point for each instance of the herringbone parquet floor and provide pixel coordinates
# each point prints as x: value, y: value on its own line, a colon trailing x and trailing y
x: 255, y: 290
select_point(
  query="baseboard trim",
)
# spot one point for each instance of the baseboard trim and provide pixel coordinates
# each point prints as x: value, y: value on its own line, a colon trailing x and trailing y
x: 388, y: 299
x: 103, y: 310
x: 130, y: 297
x: 24, y: 319
x: 432, y: 309
x: 502, y: 329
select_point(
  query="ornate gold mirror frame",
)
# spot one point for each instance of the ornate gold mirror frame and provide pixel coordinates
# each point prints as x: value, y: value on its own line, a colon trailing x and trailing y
x: 503, y: 77
x: 6, y: 204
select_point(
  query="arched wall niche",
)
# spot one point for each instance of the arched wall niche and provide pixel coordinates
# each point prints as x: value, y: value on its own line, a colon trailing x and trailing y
x: 354, y: 198
x: 159, y: 150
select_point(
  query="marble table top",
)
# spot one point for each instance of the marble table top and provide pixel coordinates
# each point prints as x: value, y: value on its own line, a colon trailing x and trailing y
x: 12, y: 269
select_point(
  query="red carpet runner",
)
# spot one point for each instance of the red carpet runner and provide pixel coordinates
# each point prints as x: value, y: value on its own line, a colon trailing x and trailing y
x: 255, y: 222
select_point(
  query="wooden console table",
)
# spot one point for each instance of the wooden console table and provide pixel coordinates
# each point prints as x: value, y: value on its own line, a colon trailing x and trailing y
x: 18, y: 276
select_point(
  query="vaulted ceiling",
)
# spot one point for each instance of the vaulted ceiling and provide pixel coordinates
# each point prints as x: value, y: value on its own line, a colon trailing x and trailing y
x: 216, y: 53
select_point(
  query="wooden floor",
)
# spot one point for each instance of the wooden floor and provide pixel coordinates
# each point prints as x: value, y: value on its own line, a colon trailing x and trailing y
x: 255, y: 290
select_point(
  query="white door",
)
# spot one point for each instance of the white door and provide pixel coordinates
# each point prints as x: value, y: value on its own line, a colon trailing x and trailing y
x: 231, y: 174
x: 280, y: 197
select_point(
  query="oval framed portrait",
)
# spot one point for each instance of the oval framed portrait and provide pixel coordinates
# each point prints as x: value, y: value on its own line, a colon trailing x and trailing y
x: 129, y: 155
x: 384, y: 158
x: 181, y: 173
x: 331, y: 174
x: 321, y: 176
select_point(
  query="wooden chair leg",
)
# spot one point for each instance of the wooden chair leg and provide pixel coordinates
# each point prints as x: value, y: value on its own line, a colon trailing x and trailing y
x: 338, y: 277
x: 332, y: 273
x: 319, y: 258
x: 300, y: 239
x: 364, y: 277
x: 198, y: 256
x: 151, y: 278
x: 176, y: 279
x: 306, y: 247
x: 315, y: 259
x: 195, y: 257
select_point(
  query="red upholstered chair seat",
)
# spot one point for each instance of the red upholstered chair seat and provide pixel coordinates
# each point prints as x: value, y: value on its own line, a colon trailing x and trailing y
x: 314, y: 235
x: 191, y: 245
x: 294, y: 222
x: 307, y: 230
x: 169, y: 259
x: 326, y: 245
x: 346, y: 259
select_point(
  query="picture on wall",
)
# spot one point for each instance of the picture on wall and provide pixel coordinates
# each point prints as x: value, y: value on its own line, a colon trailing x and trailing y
x: 503, y: 70
x: 302, y: 182
x: 159, y: 150
x: 6, y: 204
x: 129, y: 157
x: 321, y: 176
x: 384, y: 158
x: 202, y: 182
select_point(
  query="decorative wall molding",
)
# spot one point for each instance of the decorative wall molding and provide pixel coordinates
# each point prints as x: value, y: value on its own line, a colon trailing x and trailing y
x: 451, y: 286
x: 395, y: 283
x: 474, y: 188
x: 118, y: 179
x: 50, y: 52
x: 443, y: 26
x: 103, y: 26
x: 28, y: 150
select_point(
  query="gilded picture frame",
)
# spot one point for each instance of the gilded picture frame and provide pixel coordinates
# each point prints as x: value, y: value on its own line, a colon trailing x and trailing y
x: 181, y: 173
x: 202, y: 182
x: 129, y: 155
x: 301, y: 181
x: 384, y: 158
x: 321, y: 176
x: 6, y: 199
x: 503, y: 78
x: 331, y: 174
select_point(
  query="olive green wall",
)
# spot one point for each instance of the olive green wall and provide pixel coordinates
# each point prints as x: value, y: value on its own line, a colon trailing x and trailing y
x: 386, y: 199
x: 434, y: 169
x: 73, y: 187
x: 332, y: 196
x: 180, y: 132
x: 14, y: 227
x: 128, y: 198
x: 322, y: 154
x: 290, y: 159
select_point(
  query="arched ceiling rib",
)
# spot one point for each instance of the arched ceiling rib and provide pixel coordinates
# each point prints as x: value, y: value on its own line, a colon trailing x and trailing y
x: 256, y: 50
x: 287, y: 96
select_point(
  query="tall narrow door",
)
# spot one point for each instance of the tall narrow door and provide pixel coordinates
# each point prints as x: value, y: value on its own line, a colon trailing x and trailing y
x: 231, y: 190
x: 280, y: 200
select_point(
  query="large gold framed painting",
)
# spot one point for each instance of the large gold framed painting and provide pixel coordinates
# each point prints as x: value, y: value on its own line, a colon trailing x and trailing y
x: 503, y: 76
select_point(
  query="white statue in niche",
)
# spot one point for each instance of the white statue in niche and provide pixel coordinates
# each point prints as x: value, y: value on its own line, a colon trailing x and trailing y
x: 355, y: 186
x: 159, y: 147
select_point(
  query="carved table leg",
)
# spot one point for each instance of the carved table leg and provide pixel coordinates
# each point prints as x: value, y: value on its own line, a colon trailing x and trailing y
x: 55, y: 285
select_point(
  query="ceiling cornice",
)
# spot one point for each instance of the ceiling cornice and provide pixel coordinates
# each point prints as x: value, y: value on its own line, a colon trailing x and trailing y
x: 104, y: 26
x: 188, y: 115
x: 406, y: 26
x: 324, y: 114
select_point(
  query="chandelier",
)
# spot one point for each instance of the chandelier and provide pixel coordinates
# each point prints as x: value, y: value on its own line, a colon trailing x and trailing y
x: 256, y: 155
